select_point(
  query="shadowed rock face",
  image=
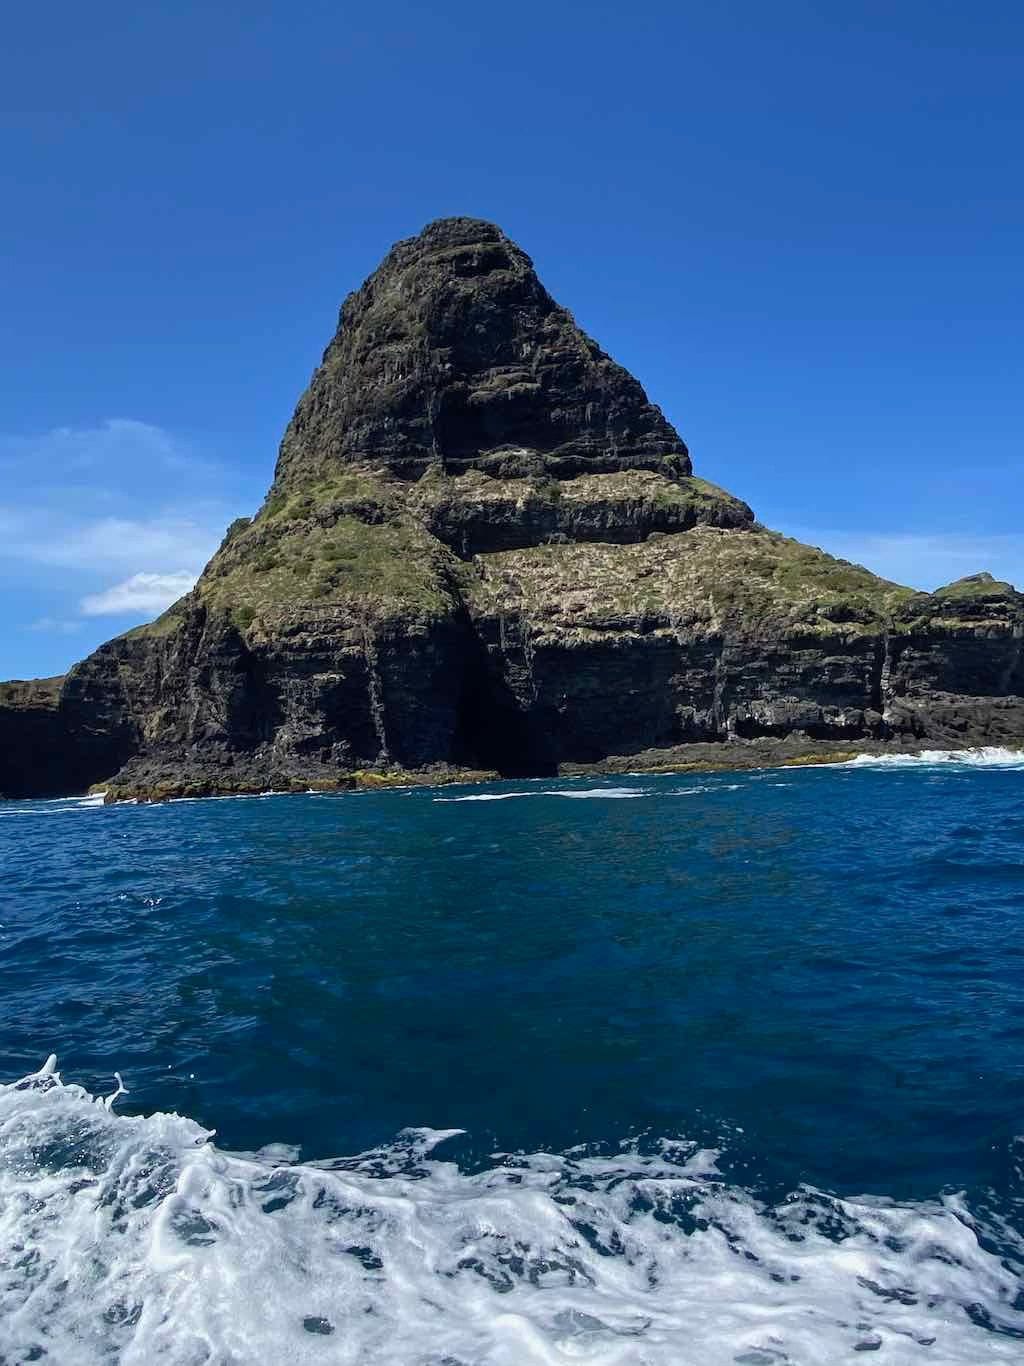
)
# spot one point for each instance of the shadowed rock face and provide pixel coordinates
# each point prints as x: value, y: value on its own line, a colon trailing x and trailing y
x: 454, y: 354
x: 485, y: 549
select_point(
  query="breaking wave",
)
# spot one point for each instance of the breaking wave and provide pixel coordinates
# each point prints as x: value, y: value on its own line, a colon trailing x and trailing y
x: 611, y: 793
x: 985, y: 756
x: 54, y: 806
x: 138, y: 1240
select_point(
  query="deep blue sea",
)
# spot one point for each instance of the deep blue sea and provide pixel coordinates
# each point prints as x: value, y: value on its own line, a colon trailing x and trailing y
x: 680, y: 1069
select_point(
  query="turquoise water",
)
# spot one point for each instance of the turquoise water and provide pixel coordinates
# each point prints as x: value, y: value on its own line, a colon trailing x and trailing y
x: 735, y: 1062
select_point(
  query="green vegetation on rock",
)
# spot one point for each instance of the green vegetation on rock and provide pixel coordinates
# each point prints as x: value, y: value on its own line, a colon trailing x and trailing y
x: 31, y: 692
x: 705, y: 575
x: 318, y: 553
x: 975, y: 587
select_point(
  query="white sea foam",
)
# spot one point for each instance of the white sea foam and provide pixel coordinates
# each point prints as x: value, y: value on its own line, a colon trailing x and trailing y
x: 56, y: 806
x: 704, y: 787
x: 136, y: 1240
x: 985, y: 756
x: 598, y: 793
x: 609, y: 793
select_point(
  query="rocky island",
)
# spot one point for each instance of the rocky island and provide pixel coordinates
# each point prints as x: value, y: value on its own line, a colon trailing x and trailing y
x: 484, y: 551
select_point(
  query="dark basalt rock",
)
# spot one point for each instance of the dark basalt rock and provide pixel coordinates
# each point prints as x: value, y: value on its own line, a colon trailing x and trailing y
x: 485, y: 550
x: 476, y: 514
x: 60, y: 735
x: 454, y: 354
x: 35, y: 751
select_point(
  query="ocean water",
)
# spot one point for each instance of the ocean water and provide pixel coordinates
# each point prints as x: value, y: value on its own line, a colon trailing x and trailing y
x: 680, y: 1069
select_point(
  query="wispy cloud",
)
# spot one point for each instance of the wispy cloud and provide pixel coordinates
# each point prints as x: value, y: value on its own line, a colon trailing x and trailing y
x: 142, y: 593
x: 114, y: 519
x: 117, y: 445
x: 924, y: 561
x: 121, y: 494
x: 56, y: 538
x: 55, y: 626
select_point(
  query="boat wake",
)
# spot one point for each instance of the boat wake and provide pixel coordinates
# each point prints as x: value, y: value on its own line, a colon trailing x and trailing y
x: 137, y: 1239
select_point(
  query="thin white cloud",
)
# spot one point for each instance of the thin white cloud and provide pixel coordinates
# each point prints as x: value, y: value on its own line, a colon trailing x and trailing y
x: 165, y: 543
x: 142, y: 594
x: 118, y: 495
x: 114, y: 518
x: 56, y: 626
x: 120, y: 444
x: 925, y: 561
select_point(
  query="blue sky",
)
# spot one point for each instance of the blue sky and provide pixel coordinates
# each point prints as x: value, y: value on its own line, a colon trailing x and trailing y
x: 799, y: 224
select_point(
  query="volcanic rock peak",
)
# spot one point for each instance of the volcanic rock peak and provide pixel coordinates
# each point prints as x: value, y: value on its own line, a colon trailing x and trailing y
x: 453, y: 356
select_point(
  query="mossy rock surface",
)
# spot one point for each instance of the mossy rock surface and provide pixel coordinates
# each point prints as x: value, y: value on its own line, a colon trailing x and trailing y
x: 21, y: 693
x: 322, y: 553
x: 705, y: 577
x: 166, y: 624
x: 976, y: 587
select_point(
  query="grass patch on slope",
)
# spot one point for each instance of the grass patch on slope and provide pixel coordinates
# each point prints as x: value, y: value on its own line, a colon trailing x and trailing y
x: 288, y: 561
x: 704, y: 576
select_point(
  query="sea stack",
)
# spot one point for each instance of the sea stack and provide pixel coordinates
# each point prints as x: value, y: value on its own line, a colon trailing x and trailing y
x: 485, y: 550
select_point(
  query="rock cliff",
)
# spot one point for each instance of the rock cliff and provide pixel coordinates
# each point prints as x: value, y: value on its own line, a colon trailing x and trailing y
x: 484, y: 550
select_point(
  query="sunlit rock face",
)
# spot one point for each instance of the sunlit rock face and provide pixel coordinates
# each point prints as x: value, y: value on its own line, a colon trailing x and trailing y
x: 454, y: 354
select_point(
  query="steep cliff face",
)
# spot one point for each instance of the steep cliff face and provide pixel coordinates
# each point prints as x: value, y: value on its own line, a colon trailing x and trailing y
x: 485, y: 549
x: 956, y: 664
x: 728, y: 635
x: 33, y: 738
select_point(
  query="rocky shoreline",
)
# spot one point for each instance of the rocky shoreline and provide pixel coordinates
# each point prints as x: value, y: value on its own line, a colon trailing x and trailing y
x: 790, y: 752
